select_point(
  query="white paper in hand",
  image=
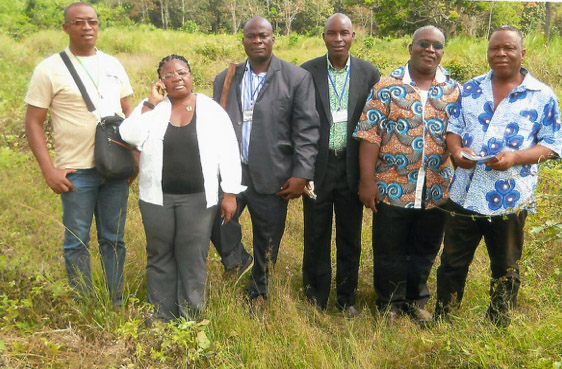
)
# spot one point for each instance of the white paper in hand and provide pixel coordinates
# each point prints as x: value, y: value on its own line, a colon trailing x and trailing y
x: 478, y: 158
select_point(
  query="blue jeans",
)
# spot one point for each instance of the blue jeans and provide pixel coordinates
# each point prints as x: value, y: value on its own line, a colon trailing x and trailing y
x: 107, y: 201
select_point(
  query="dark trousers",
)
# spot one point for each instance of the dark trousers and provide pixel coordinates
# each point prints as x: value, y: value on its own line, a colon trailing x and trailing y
x: 227, y: 239
x: 333, y: 196
x: 177, y: 244
x: 268, y: 214
x: 405, y: 244
x: 504, y: 241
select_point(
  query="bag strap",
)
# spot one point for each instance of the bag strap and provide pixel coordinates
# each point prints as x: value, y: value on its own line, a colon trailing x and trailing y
x: 226, y: 86
x: 79, y: 83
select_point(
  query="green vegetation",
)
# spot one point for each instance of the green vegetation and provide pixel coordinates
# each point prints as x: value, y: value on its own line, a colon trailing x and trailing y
x: 41, y: 326
x: 382, y: 18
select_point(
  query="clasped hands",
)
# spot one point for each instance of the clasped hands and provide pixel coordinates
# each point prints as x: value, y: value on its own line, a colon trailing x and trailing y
x: 292, y: 188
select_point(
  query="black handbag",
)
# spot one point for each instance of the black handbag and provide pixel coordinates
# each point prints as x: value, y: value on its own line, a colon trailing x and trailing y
x: 113, y: 157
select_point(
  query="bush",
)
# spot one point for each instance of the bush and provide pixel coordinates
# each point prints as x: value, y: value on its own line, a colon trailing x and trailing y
x: 190, y: 27
x: 369, y: 42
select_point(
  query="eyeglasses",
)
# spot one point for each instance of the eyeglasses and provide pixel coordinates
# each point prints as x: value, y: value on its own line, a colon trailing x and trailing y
x: 436, y: 45
x: 82, y: 22
x: 181, y: 73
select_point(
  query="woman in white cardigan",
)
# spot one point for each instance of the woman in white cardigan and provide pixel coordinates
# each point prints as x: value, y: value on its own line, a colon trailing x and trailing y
x: 187, y: 142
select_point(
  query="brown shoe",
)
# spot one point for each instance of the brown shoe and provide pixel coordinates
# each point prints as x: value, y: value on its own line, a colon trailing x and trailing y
x: 421, y: 316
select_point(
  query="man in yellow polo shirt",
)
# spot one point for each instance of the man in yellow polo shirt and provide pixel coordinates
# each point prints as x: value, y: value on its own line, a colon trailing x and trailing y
x: 84, y: 192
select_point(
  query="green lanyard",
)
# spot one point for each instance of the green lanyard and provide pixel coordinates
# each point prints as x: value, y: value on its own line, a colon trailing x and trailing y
x: 88, y: 73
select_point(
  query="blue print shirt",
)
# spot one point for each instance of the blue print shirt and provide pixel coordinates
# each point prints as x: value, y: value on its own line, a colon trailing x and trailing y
x: 527, y: 116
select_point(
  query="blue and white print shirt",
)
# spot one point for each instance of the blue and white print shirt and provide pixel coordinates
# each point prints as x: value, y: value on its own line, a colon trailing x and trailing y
x: 527, y: 116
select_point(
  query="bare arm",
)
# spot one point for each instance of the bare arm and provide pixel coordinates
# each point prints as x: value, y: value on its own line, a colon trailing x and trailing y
x: 55, y: 177
x: 454, y: 144
x: 533, y: 155
x: 126, y: 106
x: 368, y: 190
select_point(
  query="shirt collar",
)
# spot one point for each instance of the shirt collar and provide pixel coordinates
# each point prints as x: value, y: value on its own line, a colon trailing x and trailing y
x: 248, y: 68
x: 440, y: 76
x: 331, y: 67
x: 529, y: 82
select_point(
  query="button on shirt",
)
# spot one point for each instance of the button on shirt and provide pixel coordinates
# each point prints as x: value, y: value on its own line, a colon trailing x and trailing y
x: 413, y: 168
x: 250, y: 87
x: 528, y: 116
x: 338, y: 87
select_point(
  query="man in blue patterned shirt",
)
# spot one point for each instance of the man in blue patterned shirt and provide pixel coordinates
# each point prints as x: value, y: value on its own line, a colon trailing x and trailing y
x: 510, y: 116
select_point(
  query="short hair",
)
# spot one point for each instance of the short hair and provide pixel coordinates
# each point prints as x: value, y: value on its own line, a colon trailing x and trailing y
x: 508, y: 27
x: 170, y: 57
x: 427, y: 28
x: 67, y: 9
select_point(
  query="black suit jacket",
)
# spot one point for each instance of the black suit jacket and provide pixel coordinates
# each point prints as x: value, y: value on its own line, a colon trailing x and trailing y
x: 362, y: 78
x: 285, y: 125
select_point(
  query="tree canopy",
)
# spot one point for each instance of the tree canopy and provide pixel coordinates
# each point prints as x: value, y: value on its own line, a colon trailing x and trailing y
x: 379, y: 18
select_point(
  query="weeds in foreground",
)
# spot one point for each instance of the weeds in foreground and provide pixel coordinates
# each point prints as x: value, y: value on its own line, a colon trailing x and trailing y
x: 42, y: 326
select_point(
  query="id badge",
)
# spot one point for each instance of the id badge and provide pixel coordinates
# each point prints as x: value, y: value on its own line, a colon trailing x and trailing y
x: 339, y: 116
x: 247, y: 115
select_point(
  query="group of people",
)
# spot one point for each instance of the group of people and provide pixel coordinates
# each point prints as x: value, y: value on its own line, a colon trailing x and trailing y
x: 332, y: 131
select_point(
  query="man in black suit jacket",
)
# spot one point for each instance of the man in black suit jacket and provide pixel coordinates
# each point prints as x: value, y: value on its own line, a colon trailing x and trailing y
x: 342, y: 86
x: 271, y: 105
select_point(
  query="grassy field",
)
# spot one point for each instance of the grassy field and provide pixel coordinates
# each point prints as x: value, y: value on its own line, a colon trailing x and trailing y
x: 42, y: 327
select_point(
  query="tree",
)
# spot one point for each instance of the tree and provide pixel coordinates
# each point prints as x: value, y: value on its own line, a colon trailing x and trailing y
x: 289, y: 10
x: 313, y: 17
x: 547, y: 18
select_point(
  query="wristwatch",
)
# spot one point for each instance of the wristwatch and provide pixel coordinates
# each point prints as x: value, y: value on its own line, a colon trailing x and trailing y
x: 148, y: 105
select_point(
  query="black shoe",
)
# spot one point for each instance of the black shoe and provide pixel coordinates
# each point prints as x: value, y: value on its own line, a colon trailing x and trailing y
x: 238, y: 270
x: 500, y: 318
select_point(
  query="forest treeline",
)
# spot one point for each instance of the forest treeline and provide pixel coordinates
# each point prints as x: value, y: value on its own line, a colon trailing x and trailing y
x: 379, y: 18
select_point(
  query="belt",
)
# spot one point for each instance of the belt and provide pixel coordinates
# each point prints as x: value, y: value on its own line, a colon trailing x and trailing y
x: 336, y: 152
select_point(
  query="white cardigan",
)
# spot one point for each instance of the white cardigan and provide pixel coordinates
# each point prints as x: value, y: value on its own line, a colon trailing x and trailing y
x: 218, y: 148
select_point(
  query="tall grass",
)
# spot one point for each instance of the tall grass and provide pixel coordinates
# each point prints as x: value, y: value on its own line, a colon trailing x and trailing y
x: 41, y: 326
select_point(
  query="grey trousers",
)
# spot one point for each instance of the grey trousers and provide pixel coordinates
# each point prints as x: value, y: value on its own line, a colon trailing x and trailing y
x: 177, y: 243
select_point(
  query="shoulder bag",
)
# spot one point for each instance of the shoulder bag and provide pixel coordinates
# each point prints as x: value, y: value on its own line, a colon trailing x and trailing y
x: 113, y: 157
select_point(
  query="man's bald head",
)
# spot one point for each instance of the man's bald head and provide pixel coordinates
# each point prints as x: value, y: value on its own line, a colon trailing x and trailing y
x: 258, y: 41
x: 423, y: 29
x: 258, y: 20
x: 339, y: 18
x: 338, y: 36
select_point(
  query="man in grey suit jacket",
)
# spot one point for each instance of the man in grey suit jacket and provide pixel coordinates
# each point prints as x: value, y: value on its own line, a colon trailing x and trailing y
x: 271, y: 105
x: 342, y: 86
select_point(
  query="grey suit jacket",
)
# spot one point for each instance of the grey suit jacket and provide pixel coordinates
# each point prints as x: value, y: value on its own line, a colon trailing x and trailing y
x: 362, y: 78
x: 285, y: 125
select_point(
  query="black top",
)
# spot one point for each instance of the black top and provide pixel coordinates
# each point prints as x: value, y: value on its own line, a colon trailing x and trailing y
x: 181, y: 170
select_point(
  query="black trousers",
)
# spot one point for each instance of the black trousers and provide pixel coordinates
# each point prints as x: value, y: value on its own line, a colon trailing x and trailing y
x: 227, y: 239
x: 504, y: 241
x: 268, y: 214
x: 333, y: 196
x: 405, y: 244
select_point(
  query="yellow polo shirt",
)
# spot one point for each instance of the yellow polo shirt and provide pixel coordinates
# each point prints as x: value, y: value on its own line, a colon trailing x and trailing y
x: 52, y: 87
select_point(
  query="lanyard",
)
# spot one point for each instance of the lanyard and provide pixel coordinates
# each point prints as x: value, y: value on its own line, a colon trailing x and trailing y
x: 260, y: 83
x: 88, y: 73
x: 339, y: 96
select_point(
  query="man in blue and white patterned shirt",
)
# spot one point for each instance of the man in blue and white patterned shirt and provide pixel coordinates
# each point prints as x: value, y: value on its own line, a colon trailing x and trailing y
x: 509, y: 115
